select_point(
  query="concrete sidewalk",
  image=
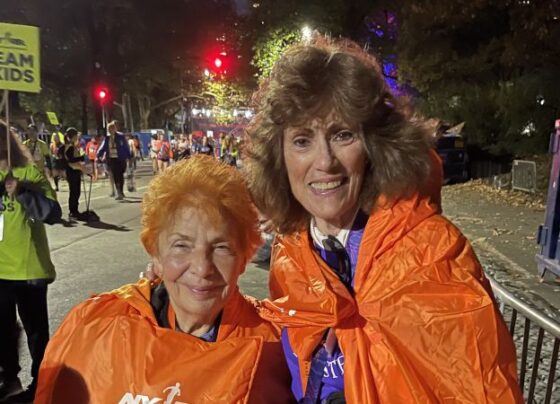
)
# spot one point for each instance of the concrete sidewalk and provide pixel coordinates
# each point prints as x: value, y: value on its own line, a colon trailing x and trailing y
x: 503, y: 235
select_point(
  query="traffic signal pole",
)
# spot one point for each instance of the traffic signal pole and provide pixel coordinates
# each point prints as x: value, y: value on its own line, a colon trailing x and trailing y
x: 104, y: 117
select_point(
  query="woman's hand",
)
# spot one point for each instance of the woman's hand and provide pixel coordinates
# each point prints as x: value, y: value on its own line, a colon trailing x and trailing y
x: 266, y: 225
x: 11, y: 185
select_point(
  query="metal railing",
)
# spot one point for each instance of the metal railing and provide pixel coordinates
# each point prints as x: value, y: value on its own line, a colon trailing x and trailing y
x: 537, y: 339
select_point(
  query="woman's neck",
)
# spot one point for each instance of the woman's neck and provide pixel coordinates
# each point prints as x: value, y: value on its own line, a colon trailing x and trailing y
x: 195, y: 325
x: 333, y: 227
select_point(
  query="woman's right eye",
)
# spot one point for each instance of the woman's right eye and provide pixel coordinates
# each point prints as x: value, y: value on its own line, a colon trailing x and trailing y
x: 181, y: 245
x: 301, y: 141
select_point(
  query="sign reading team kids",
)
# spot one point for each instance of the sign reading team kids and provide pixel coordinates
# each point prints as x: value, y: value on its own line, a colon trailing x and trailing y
x: 19, y: 58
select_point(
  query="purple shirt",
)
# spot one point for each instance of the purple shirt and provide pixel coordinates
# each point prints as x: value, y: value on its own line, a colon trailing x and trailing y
x: 333, y: 374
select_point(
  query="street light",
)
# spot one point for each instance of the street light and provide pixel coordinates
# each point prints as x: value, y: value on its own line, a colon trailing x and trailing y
x: 306, y: 33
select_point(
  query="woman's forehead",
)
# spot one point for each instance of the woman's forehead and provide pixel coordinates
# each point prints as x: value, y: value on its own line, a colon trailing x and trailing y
x: 192, y: 216
x: 322, y: 120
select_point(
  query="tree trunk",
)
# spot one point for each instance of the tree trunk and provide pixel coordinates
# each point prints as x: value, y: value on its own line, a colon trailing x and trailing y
x: 128, y: 107
x: 144, y: 107
x: 124, y: 112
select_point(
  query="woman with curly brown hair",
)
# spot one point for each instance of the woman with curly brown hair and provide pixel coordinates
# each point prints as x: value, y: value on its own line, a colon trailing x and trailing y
x: 382, y: 299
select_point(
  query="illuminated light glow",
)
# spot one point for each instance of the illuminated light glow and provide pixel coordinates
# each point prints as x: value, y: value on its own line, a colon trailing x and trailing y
x: 102, y: 94
x: 207, y: 72
x: 306, y: 33
x: 218, y: 62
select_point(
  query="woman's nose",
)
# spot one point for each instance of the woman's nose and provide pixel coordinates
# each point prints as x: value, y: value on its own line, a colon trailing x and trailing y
x: 325, y: 156
x: 201, y: 264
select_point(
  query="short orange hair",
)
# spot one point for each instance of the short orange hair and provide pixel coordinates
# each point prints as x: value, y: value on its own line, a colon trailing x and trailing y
x: 201, y: 182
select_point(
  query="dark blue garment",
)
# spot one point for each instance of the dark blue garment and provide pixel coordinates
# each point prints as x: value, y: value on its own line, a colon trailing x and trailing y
x: 123, y: 151
x: 331, y: 366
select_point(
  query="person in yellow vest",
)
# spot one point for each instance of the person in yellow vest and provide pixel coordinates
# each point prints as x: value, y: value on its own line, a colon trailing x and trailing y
x: 75, y: 167
x: 26, y: 202
x: 38, y: 149
x: 57, y: 153
x: 57, y: 136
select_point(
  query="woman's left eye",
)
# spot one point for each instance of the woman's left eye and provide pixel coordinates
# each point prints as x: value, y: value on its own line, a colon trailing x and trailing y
x: 222, y: 248
x: 344, y: 136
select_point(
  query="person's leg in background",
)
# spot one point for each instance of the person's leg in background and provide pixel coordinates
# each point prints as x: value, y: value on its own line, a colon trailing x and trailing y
x: 111, y: 171
x: 9, y: 357
x: 117, y: 168
x: 31, y: 300
x: 74, y: 178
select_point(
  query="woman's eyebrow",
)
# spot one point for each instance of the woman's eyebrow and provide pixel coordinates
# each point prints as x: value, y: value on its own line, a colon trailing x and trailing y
x: 182, y: 236
x: 337, y: 126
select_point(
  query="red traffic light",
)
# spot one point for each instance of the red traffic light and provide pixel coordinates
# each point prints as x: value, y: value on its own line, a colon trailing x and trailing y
x: 217, y: 62
x: 101, y: 94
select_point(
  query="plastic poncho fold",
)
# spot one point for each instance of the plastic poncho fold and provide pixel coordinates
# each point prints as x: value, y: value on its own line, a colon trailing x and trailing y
x: 423, y: 326
x: 110, y: 349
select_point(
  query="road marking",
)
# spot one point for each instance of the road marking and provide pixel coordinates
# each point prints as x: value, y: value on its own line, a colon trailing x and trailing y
x: 65, y: 205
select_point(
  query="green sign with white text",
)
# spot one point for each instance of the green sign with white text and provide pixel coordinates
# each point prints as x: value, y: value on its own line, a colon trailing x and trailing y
x: 19, y: 58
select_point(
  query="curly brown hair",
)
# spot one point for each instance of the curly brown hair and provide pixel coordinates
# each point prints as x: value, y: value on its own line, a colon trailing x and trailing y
x: 312, y: 79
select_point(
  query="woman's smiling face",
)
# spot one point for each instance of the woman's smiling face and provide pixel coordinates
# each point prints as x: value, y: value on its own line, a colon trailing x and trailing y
x: 198, y: 264
x: 325, y: 159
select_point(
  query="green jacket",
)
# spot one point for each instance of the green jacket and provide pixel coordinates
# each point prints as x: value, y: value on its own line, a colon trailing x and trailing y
x: 24, y: 248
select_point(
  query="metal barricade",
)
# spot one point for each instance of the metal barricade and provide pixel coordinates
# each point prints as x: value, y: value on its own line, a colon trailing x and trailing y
x: 537, y: 338
x: 524, y: 176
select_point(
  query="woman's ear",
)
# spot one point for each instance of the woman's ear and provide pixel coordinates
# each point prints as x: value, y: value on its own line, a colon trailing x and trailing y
x: 157, y: 267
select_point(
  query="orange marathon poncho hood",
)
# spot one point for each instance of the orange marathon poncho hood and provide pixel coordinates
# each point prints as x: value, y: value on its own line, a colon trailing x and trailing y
x: 110, y: 349
x: 422, y: 326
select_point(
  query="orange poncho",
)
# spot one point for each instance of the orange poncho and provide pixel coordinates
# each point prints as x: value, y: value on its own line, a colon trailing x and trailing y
x: 110, y: 349
x: 423, y: 326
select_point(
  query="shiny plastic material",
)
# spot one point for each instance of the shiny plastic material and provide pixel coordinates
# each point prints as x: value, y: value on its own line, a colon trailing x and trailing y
x: 110, y: 350
x: 423, y: 326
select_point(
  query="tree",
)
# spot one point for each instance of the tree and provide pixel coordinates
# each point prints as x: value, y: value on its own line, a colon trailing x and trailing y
x: 107, y: 41
x: 487, y: 63
x: 270, y: 47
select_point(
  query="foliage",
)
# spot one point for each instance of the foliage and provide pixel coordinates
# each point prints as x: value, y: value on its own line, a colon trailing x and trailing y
x: 109, y: 41
x: 276, y: 25
x: 227, y: 96
x: 66, y: 103
x: 270, y: 47
x: 487, y: 63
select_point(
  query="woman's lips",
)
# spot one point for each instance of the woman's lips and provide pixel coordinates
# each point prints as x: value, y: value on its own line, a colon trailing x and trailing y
x: 326, y: 187
x: 204, y: 291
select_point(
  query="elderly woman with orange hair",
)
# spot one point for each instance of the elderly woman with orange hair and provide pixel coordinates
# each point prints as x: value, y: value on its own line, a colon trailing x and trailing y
x: 192, y: 338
